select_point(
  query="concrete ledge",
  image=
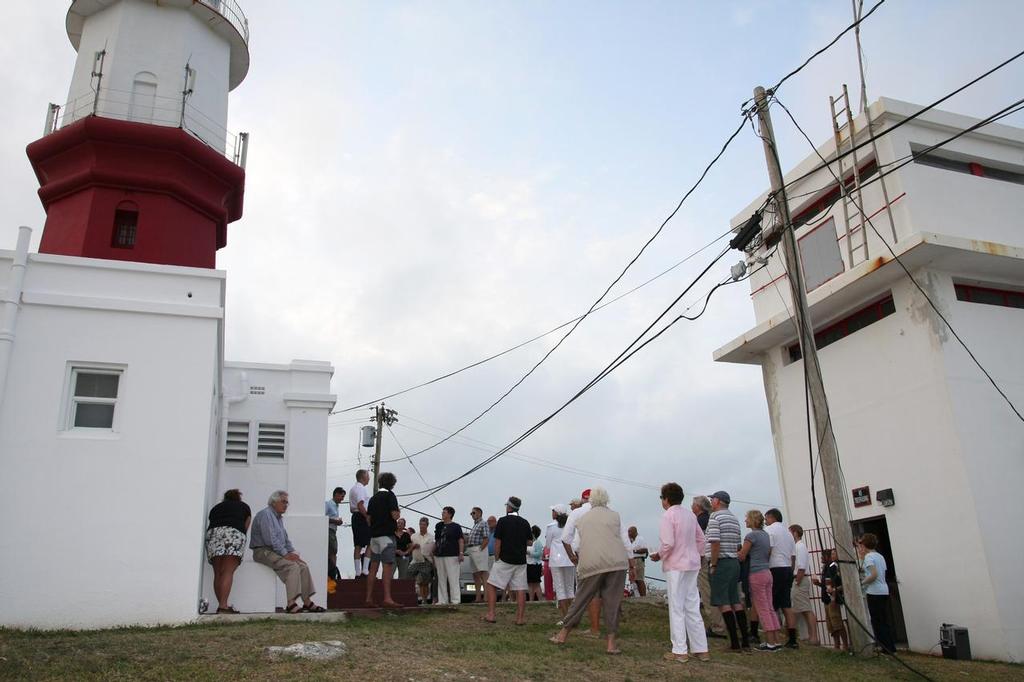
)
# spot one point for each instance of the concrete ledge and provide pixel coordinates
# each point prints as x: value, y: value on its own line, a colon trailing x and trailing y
x: 329, y: 617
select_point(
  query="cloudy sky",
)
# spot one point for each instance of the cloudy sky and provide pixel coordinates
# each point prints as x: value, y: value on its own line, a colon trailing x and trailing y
x: 433, y: 182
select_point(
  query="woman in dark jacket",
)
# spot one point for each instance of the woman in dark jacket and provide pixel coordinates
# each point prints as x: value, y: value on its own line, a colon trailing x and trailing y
x: 225, y: 544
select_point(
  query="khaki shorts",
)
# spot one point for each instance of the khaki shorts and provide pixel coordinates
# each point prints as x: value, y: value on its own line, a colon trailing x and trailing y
x: 508, y: 576
x: 638, y: 568
x: 801, y: 596
x: 478, y: 559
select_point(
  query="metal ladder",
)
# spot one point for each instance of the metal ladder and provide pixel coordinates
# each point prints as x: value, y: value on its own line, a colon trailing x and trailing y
x: 851, y: 194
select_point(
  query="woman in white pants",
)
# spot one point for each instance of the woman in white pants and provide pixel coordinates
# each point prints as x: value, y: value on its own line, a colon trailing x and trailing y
x: 682, y: 544
x: 563, y: 572
x: 449, y: 543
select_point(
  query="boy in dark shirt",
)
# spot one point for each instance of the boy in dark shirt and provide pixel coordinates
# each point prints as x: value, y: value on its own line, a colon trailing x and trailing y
x: 383, y: 512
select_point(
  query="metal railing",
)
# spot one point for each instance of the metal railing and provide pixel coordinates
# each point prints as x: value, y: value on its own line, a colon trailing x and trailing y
x: 162, y: 111
x: 230, y: 10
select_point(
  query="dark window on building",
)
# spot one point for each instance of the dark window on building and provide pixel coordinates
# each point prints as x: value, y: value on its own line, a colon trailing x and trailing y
x: 867, y: 315
x: 126, y: 221
x: 975, y: 168
x: 811, y: 212
x: 989, y: 296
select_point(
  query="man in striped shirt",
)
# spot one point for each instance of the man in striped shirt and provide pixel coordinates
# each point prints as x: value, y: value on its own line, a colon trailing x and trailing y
x: 476, y: 552
x: 723, y: 543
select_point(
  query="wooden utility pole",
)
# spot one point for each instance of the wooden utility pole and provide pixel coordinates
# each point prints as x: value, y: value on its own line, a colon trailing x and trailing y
x: 827, y: 452
x: 382, y: 416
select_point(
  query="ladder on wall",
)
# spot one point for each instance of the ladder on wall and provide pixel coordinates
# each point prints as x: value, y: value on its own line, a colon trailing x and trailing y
x: 849, y: 188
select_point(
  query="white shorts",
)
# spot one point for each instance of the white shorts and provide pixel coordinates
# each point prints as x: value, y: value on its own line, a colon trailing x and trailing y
x: 478, y: 559
x: 563, y: 581
x: 507, y: 576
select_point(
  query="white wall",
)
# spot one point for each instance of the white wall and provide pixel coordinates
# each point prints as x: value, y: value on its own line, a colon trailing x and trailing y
x: 159, y: 39
x: 297, y: 394
x: 104, y: 528
x: 901, y: 423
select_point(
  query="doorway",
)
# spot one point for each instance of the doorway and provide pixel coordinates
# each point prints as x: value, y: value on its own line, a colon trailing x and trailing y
x: 880, y: 529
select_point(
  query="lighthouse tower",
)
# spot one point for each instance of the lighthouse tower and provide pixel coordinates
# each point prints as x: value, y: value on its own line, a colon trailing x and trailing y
x: 138, y: 165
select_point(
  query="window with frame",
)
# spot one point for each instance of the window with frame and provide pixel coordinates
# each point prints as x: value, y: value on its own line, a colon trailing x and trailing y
x: 856, y: 321
x: 93, y: 398
x: 126, y: 224
x: 972, y: 293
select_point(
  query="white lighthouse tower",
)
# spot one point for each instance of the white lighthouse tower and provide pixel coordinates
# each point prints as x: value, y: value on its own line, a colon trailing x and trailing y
x: 116, y: 431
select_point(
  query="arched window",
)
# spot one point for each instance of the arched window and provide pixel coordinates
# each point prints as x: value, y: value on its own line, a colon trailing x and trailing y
x: 143, y: 100
x: 126, y: 222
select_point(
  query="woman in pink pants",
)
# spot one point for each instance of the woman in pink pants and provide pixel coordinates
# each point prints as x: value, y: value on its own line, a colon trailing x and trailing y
x: 758, y: 546
x: 682, y: 544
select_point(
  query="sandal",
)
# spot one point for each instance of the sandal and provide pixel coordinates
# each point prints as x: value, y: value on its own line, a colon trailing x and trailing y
x: 554, y: 640
x: 293, y: 609
x: 488, y: 620
x: 314, y: 608
x: 613, y: 652
x: 678, y: 658
x: 229, y: 609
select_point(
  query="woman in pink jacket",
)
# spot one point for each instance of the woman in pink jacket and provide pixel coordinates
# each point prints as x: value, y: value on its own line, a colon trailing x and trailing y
x: 682, y: 544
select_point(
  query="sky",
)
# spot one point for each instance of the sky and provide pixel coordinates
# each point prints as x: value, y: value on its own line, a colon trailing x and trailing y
x: 431, y: 183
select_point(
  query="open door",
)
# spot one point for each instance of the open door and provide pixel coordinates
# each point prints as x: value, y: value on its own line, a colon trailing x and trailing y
x: 880, y: 528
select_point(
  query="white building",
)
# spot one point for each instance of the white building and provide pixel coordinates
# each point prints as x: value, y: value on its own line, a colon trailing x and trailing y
x: 120, y: 422
x: 913, y: 415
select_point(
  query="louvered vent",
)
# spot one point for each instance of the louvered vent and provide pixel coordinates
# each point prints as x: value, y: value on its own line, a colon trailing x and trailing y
x: 236, y: 448
x: 270, y: 441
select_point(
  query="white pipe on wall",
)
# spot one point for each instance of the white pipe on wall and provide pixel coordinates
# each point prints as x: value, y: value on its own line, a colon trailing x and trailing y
x: 12, y: 304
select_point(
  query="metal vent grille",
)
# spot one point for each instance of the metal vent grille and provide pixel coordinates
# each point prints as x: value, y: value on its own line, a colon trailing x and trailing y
x: 257, y: 390
x: 270, y: 440
x: 236, y: 448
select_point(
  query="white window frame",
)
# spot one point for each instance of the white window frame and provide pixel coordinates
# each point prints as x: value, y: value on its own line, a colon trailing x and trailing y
x: 71, y: 401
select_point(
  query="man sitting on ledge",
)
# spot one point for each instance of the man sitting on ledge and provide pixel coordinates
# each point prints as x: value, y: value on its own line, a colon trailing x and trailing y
x: 271, y: 547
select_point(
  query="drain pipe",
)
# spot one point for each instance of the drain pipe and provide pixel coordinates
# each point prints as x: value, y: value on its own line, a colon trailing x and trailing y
x: 12, y: 304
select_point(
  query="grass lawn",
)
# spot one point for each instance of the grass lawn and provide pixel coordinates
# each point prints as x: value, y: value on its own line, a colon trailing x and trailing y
x: 432, y: 645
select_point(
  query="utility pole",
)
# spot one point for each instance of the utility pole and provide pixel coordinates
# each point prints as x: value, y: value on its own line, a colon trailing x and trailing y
x: 382, y: 416
x: 827, y: 452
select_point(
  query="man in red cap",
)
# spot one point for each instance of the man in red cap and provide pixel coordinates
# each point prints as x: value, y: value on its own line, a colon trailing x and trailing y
x: 571, y: 537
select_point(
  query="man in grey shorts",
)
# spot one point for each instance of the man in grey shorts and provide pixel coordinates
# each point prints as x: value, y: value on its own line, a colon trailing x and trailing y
x: 383, y: 511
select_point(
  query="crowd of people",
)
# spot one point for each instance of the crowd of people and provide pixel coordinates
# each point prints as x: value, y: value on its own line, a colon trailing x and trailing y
x: 721, y: 582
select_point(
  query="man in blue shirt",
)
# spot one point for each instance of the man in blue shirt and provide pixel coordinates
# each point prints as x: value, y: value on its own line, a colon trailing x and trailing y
x: 271, y: 547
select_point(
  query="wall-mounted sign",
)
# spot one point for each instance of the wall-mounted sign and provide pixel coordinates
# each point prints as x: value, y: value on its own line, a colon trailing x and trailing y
x: 862, y: 497
x: 885, y: 497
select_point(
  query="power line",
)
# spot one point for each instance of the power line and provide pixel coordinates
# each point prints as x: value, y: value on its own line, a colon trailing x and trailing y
x: 906, y: 271
x: 557, y: 466
x: 576, y: 321
x: 539, y: 336
x: 622, y: 274
x: 856, y: 24
x: 872, y: 137
x: 415, y: 468
x: 631, y: 350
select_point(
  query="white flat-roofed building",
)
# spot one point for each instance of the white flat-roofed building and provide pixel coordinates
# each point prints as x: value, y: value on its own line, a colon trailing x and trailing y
x: 914, y: 417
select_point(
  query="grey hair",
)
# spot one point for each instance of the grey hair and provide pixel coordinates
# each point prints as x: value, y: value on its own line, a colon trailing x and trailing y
x: 703, y: 502
x: 598, y: 497
x: 276, y: 497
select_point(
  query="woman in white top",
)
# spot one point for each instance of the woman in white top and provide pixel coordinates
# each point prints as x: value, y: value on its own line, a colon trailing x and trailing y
x: 563, y: 571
